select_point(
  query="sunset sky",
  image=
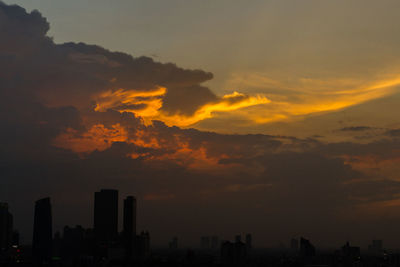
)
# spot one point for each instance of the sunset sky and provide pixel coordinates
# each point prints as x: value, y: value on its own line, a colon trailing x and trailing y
x: 279, y: 118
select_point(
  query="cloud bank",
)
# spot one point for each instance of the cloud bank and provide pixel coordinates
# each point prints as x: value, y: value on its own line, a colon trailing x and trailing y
x: 77, y: 117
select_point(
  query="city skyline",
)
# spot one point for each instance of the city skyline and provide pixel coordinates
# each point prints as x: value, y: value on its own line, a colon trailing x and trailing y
x: 110, y: 229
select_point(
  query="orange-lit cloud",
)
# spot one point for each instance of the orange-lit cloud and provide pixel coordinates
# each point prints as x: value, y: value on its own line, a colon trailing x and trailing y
x: 97, y: 137
x: 148, y: 104
x: 299, y: 98
x: 376, y: 166
x: 228, y: 103
x: 197, y: 158
x: 143, y: 103
x: 296, y: 98
x: 178, y: 150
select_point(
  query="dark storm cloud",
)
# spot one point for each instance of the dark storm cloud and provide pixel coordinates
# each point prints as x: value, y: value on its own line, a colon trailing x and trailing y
x: 21, y: 32
x: 273, y: 182
x: 68, y: 74
x: 393, y: 132
x: 356, y: 128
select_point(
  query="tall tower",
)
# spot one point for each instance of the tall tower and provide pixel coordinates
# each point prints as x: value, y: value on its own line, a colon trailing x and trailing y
x: 130, y: 216
x: 249, y: 241
x: 42, y: 231
x: 294, y: 244
x: 6, y: 227
x: 129, y: 226
x: 106, y: 216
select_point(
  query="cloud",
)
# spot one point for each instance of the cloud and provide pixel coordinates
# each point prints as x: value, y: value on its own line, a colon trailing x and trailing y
x: 76, y: 118
x: 84, y: 76
x: 393, y: 132
x: 356, y: 128
x: 21, y: 33
x: 297, y: 98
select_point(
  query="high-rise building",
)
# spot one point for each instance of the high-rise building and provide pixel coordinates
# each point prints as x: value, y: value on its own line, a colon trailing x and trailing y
x: 376, y: 247
x: 106, y: 216
x: 294, y: 244
x: 249, y: 241
x: 42, y: 232
x: 130, y: 216
x: 205, y: 242
x: 73, y: 242
x: 238, y: 238
x: 350, y: 254
x: 129, y: 226
x: 174, y: 243
x: 233, y: 253
x: 143, y: 245
x: 227, y: 253
x: 214, y: 242
x: 307, y: 250
x: 6, y: 227
x: 15, y: 238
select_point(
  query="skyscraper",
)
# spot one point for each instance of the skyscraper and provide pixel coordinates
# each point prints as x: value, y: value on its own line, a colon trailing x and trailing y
x: 42, y: 231
x: 106, y: 216
x: 6, y: 227
x: 376, y: 247
x: 174, y: 243
x: 129, y: 227
x: 307, y: 250
x: 143, y: 245
x: 294, y: 244
x: 130, y: 216
x: 205, y: 242
x: 214, y: 242
x: 249, y: 241
x: 238, y: 238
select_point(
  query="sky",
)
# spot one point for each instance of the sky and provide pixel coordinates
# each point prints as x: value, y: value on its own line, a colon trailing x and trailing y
x: 278, y: 118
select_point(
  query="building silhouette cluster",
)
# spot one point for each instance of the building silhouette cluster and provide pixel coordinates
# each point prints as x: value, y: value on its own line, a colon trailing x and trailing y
x: 174, y: 243
x: 376, y: 247
x: 235, y: 252
x: 104, y: 245
x: 78, y: 246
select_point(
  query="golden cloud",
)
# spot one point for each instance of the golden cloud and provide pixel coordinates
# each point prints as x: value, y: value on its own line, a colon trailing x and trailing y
x: 148, y: 105
x: 295, y: 98
x: 98, y: 137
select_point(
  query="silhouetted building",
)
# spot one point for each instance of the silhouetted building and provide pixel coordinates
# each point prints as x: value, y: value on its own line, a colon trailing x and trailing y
x: 238, y: 238
x: 233, y: 253
x: 57, y: 245
x: 73, y: 242
x: 129, y: 227
x: 106, y: 217
x: 240, y: 252
x: 307, y: 250
x: 174, y: 243
x: 143, y: 245
x: 205, y: 242
x: 42, y: 232
x: 249, y: 241
x: 6, y: 227
x: 376, y: 247
x: 350, y: 254
x: 15, y: 238
x: 214, y: 242
x: 294, y: 244
x: 227, y: 253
